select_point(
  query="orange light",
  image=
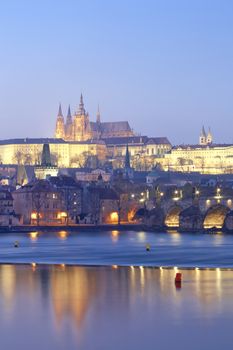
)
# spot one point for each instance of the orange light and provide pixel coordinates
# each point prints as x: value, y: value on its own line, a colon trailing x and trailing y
x: 33, y: 216
x: 61, y: 215
x: 33, y: 266
x: 114, y: 216
x: 114, y: 266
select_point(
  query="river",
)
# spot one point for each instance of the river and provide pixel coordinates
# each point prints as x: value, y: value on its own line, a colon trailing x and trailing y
x: 118, y: 248
x: 102, y: 308
x: 102, y: 291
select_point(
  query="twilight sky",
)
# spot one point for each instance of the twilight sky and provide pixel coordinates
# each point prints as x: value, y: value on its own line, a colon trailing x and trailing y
x: 166, y: 66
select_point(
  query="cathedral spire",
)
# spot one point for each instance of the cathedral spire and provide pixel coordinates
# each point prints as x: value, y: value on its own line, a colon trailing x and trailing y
x: 98, y: 115
x: 60, y: 127
x: 209, y: 137
x: 81, y: 106
x: 127, y: 158
x: 69, y: 125
x: 60, y: 111
x: 203, y: 133
x: 69, y: 113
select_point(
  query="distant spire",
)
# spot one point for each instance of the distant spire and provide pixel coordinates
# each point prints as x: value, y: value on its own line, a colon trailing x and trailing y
x: 203, y: 133
x: 127, y: 157
x: 69, y: 112
x: 81, y: 105
x: 46, y: 157
x: 209, y: 138
x: 98, y: 115
x: 60, y: 111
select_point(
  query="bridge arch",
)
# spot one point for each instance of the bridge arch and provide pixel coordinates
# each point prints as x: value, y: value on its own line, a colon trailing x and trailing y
x: 215, y: 216
x: 172, y: 219
x: 191, y: 218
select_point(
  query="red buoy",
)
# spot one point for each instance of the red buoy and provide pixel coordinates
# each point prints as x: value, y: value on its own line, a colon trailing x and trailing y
x: 178, y: 277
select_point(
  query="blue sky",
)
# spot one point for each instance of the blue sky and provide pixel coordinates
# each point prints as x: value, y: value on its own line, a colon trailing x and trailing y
x: 165, y: 66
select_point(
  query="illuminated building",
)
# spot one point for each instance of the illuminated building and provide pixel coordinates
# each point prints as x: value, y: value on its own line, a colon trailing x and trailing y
x: 80, y: 128
x: 79, y: 142
x: 63, y: 154
x: 206, y: 158
x: 39, y: 203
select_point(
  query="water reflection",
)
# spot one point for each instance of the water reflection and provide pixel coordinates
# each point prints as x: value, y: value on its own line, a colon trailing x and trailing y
x: 62, y: 235
x: 115, y: 236
x: 33, y: 236
x: 72, y: 292
x: 80, y: 306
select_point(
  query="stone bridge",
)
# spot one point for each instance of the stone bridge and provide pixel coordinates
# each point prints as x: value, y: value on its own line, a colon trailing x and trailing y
x: 193, y: 214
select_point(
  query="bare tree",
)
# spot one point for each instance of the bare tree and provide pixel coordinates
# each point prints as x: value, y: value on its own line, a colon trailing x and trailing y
x: 181, y: 163
x: 55, y: 159
x: 84, y: 159
x: 18, y: 157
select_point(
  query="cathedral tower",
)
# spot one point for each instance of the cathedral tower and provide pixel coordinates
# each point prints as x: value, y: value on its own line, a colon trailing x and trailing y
x: 82, y: 127
x: 69, y: 126
x: 60, y: 125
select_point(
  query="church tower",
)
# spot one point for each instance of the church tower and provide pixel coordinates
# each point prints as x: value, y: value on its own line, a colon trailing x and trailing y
x: 69, y: 126
x: 202, y: 138
x: 128, y: 171
x: 82, y: 127
x: 209, y: 138
x: 60, y: 125
x: 127, y: 158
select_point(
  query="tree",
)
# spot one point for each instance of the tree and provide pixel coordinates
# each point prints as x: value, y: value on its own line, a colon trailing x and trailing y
x: 18, y: 157
x: 181, y: 163
x: 55, y: 158
x: 38, y: 155
x: 85, y: 160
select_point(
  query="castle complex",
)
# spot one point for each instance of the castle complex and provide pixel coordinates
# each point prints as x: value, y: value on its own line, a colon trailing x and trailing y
x: 79, y: 142
x: 80, y: 128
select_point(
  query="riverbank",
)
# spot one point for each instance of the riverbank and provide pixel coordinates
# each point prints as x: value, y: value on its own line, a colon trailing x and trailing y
x: 72, y: 228
x: 105, y: 227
